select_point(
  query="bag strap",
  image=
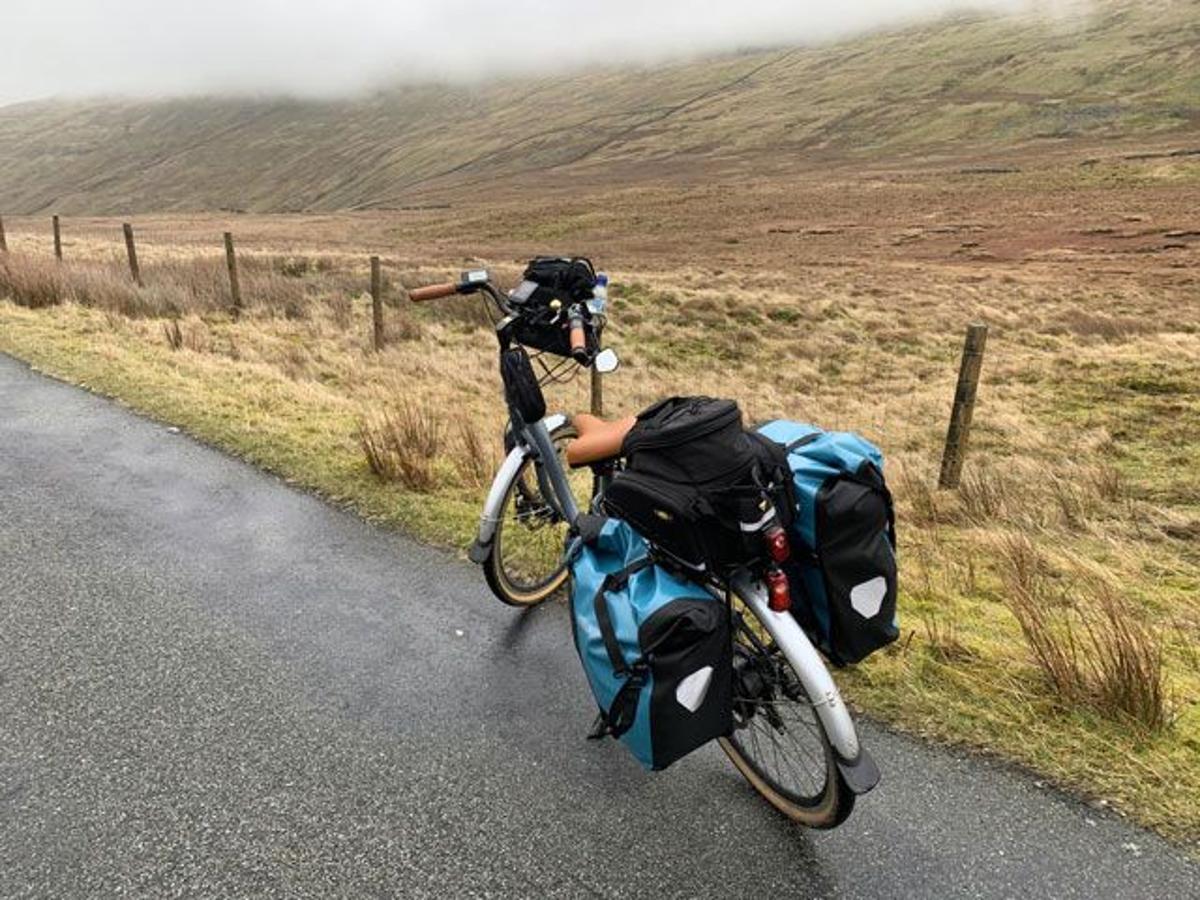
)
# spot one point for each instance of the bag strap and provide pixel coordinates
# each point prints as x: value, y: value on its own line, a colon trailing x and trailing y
x: 589, y: 526
x: 623, y: 712
x: 620, y: 715
x: 612, y: 582
x: 800, y: 442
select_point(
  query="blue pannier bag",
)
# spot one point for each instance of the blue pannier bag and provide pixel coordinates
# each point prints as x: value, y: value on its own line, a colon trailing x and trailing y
x: 845, y: 565
x: 656, y: 648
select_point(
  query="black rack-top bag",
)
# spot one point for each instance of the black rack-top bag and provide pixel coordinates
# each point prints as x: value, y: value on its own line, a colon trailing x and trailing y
x: 698, y: 486
x: 690, y: 440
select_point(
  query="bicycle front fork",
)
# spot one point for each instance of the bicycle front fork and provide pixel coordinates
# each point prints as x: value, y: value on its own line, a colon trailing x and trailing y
x: 532, y: 441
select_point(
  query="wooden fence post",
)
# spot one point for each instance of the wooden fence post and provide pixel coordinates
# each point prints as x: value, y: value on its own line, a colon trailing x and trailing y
x: 235, y: 290
x: 597, y: 392
x: 57, y: 239
x: 597, y: 406
x: 377, y: 301
x: 964, y: 406
x: 131, y: 249
x: 3, y: 239
x: 597, y: 384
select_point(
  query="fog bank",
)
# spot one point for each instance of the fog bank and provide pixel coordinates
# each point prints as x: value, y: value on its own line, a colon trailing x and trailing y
x: 321, y: 49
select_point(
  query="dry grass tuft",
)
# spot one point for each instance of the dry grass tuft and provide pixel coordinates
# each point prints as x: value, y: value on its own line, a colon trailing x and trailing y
x: 1091, y: 647
x: 1109, y: 484
x: 984, y: 493
x: 915, y: 491
x: 477, y: 457
x: 403, y: 444
x: 173, y: 334
x: 1129, y: 663
x: 403, y: 327
x: 342, y: 311
x: 1075, y: 501
x: 32, y: 282
x: 1083, y: 323
x: 942, y: 635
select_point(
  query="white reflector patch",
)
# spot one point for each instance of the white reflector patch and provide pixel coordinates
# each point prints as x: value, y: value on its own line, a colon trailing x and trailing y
x: 866, y: 598
x: 692, y: 690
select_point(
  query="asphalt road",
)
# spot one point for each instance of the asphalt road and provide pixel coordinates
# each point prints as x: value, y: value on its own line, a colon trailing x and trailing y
x: 214, y: 685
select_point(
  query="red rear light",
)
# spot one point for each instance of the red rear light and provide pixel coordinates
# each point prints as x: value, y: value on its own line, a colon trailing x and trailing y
x: 778, y: 546
x: 779, y: 595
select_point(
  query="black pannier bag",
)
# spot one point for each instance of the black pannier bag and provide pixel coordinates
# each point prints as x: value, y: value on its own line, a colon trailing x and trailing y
x: 844, y: 555
x: 856, y: 564
x: 699, y: 487
x: 542, y: 326
x: 655, y: 647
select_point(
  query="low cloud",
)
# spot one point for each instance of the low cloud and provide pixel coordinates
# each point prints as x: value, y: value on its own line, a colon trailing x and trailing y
x: 322, y: 49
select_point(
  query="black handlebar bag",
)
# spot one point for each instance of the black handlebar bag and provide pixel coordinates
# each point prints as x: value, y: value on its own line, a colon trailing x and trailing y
x: 540, y: 322
x: 570, y: 279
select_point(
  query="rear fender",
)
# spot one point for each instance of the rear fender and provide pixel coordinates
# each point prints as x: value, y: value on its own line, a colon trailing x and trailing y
x: 818, y: 684
x: 860, y: 775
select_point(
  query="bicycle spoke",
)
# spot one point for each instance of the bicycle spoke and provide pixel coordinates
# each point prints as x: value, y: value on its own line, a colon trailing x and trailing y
x: 782, y: 737
x: 783, y: 752
x: 532, y: 534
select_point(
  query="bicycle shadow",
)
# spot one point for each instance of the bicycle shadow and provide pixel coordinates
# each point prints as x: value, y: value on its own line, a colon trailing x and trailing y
x: 513, y: 636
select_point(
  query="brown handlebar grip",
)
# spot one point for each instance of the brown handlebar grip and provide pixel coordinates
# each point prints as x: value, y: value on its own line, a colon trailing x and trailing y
x: 432, y: 292
x: 578, y: 339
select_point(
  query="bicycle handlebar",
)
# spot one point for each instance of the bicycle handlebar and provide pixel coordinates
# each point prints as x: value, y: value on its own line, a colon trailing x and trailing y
x: 575, y: 312
x: 433, y: 292
x: 578, y: 336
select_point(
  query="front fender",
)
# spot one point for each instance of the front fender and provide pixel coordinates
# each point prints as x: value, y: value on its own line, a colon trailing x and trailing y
x: 493, y: 506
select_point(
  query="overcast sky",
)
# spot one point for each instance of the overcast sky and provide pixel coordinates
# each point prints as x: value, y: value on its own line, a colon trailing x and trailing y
x: 314, y: 47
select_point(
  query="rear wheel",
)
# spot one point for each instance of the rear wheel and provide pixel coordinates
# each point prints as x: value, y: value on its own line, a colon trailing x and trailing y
x: 778, y: 742
x: 526, y: 564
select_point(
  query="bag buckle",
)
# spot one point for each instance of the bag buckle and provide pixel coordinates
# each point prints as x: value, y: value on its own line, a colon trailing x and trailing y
x: 600, y: 728
x: 620, y: 717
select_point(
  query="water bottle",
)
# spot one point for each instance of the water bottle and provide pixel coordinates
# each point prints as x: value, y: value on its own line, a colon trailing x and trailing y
x: 599, y: 300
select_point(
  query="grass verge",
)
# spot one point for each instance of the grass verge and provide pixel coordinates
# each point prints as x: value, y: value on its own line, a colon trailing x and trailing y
x: 1056, y: 492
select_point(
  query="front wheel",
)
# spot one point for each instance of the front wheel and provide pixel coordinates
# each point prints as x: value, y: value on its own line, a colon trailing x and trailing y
x: 526, y: 563
x: 778, y: 742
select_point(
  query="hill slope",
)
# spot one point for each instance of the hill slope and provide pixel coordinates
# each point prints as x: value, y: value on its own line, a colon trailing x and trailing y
x: 969, y: 84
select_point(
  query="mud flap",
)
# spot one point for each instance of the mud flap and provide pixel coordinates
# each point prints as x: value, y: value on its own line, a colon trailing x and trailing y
x: 861, y: 774
x: 479, y: 551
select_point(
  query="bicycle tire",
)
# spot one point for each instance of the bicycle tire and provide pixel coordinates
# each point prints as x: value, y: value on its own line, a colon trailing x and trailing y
x: 829, y: 803
x: 494, y: 570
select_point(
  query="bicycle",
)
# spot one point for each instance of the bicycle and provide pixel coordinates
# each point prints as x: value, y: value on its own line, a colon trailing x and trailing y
x: 793, y: 740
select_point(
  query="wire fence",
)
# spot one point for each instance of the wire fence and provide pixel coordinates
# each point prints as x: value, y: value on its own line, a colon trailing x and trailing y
x: 222, y: 269
x: 142, y: 244
x: 254, y: 262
